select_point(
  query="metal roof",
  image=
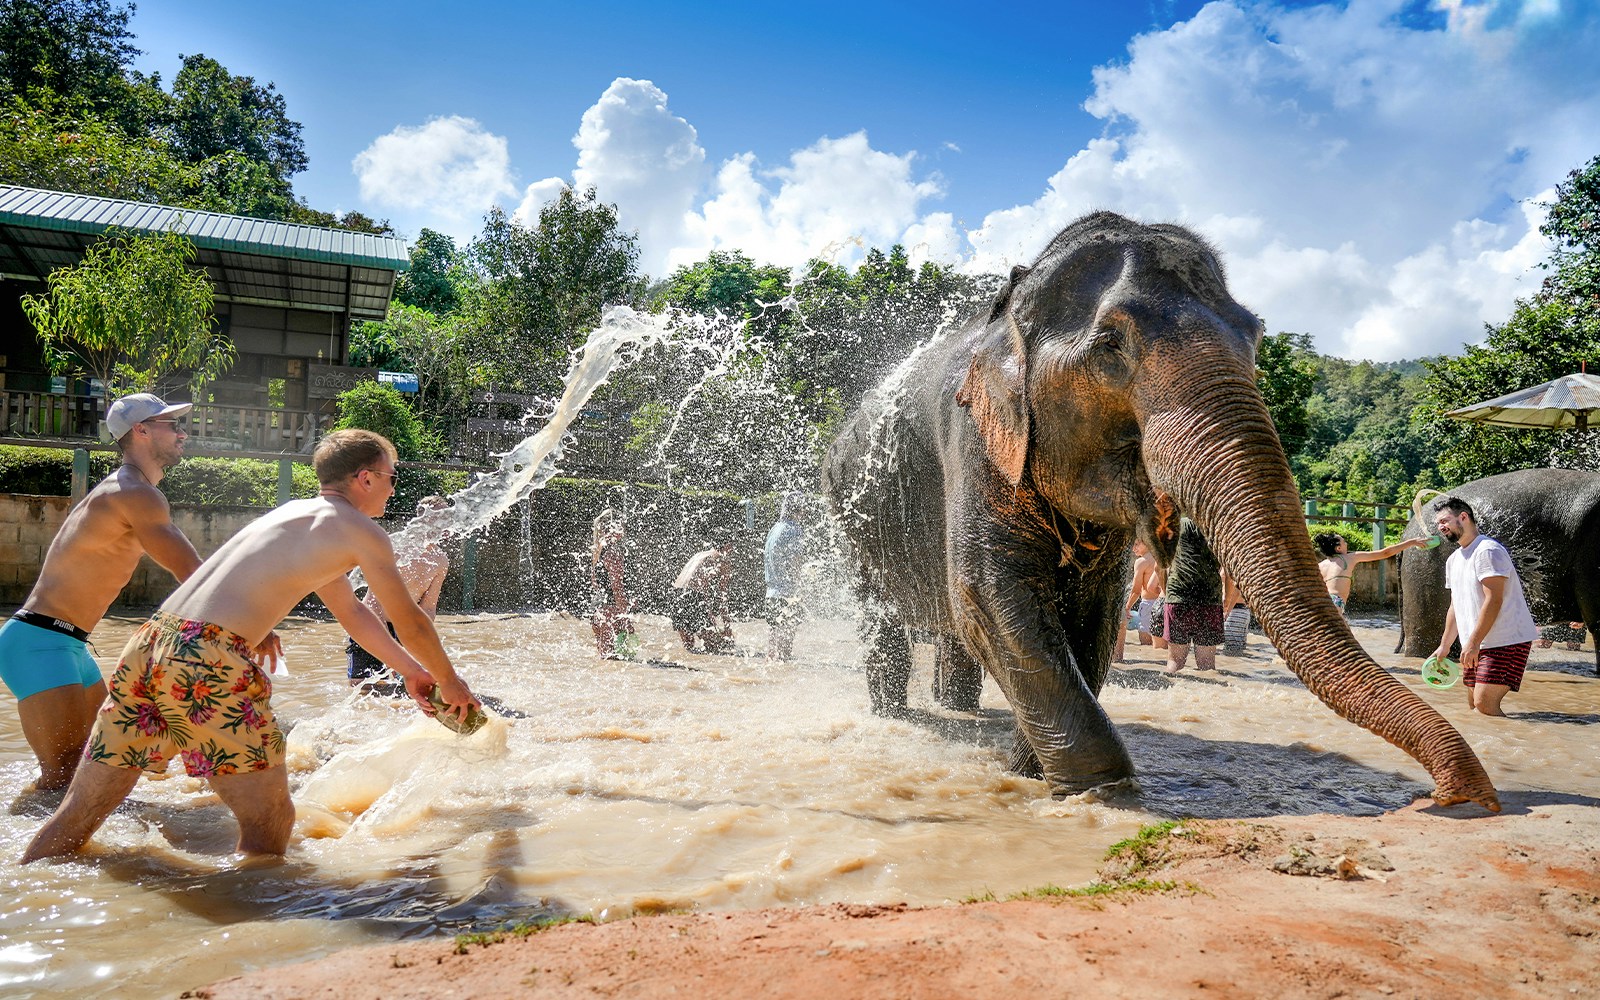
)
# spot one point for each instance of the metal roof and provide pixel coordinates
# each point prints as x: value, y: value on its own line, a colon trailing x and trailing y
x: 255, y: 261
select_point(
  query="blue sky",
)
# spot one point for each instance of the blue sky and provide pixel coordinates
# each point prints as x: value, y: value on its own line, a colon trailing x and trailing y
x: 1369, y: 168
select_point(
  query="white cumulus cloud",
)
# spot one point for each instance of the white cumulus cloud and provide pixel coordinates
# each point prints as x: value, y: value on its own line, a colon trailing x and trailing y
x: 639, y: 156
x: 1362, y: 164
x: 830, y: 200
x: 450, y: 170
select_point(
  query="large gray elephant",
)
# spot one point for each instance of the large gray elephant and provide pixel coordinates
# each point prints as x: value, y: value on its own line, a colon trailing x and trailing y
x: 1548, y: 519
x: 991, y: 486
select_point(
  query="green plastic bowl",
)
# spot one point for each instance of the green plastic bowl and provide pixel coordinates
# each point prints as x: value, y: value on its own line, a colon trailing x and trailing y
x: 1440, y: 673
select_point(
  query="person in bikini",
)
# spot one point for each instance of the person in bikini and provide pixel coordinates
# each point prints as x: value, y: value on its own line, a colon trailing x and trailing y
x: 44, y: 655
x: 608, y: 587
x: 190, y: 685
x: 1339, y: 563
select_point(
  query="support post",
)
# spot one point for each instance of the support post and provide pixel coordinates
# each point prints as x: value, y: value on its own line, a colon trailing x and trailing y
x: 80, y: 473
x: 285, y: 480
x: 1378, y: 527
x: 469, y: 572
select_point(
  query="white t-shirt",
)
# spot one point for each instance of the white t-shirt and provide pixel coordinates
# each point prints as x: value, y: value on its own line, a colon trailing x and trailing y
x: 1484, y: 558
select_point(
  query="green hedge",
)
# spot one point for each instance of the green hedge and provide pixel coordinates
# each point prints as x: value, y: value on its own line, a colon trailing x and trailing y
x: 1360, y: 540
x: 224, y: 482
x: 47, y: 471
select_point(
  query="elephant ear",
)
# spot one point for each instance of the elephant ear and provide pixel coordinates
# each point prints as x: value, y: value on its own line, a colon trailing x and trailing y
x: 995, y: 388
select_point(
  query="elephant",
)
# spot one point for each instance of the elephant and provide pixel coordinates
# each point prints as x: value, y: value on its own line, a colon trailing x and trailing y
x: 1548, y: 519
x: 989, y: 489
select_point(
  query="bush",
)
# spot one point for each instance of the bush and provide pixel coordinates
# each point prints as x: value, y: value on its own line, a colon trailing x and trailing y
x: 47, y: 471
x: 233, y: 482
x: 377, y: 407
x: 1359, y: 539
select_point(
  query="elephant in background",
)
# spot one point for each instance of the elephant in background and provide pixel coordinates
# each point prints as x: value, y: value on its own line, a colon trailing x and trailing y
x: 1548, y: 519
x: 991, y: 486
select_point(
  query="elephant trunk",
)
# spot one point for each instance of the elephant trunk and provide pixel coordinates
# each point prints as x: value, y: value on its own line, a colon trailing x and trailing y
x: 1212, y: 447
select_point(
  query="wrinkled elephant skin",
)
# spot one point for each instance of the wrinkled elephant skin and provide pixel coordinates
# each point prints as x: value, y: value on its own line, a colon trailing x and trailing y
x: 991, y: 486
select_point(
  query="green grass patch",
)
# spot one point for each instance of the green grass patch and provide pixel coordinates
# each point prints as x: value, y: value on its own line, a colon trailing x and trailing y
x: 521, y: 930
x: 1145, y: 849
x: 1095, y: 890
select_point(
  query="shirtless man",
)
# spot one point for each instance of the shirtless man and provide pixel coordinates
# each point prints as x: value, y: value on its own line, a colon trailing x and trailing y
x: 1339, y: 563
x: 424, y: 575
x: 44, y: 658
x: 190, y: 685
x: 1147, y: 583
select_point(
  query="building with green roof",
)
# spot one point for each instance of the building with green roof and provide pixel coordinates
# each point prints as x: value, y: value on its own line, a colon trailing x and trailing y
x: 287, y: 296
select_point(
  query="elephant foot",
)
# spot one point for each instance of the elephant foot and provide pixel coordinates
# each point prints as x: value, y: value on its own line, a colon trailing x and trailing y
x: 1120, y: 788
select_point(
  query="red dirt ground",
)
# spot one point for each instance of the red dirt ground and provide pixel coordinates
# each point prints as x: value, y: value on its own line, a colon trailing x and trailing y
x: 1423, y: 902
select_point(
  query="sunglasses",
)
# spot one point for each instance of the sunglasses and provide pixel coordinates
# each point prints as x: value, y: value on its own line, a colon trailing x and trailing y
x: 164, y: 420
x: 380, y: 472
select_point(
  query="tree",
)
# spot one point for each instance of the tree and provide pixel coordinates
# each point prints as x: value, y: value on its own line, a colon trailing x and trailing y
x: 1542, y: 340
x: 76, y: 48
x: 429, y: 345
x: 1547, y: 336
x: 1286, y: 371
x: 1573, y: 225
x: 215, y: 112
x: 132, y: 314
x: 730, y: 284
x: 62, y: 145
x: 543, y: 288
x: 431, y: 281
x: 378, y: 407
x: 239, y: 134
x: 357, y: 222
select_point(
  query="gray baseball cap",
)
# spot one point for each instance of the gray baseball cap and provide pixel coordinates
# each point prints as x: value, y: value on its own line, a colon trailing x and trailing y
x: 138, y: 408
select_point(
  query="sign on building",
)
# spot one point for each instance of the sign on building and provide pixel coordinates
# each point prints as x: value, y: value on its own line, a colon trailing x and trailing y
x: 328, y: 381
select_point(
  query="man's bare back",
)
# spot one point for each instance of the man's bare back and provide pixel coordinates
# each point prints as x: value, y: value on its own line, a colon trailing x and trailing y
x: 120, y: 520
x: 261, y: 573
x: 1147, y: 577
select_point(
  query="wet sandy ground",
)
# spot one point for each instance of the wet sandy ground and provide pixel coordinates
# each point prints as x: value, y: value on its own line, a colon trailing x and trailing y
x: 1418, y: 901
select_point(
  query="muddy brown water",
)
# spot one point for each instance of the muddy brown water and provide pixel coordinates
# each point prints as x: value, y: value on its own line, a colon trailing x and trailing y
x: 684, y: 782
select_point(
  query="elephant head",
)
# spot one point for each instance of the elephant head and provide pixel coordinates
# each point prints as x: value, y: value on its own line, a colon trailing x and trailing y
x: 1117, y: 374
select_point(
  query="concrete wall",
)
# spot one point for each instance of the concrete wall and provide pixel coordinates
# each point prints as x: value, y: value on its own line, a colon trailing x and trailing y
x: 534, y: 556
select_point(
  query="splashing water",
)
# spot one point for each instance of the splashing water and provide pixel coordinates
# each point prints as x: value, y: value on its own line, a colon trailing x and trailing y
x: 622, y: 334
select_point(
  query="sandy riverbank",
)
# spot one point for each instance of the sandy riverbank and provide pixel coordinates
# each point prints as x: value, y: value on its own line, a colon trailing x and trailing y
x: 1422, y: 902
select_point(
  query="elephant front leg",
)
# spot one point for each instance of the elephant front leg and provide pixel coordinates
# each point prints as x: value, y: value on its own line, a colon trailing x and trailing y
x: 888, y: 662
x: 1019, y: 640
x: 957, y: 677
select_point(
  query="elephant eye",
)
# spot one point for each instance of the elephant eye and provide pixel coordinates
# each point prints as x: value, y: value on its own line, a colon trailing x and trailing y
x: 1108, y: 355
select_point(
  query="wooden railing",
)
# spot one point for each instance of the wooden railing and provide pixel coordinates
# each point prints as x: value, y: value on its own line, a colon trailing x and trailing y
x: 212, y: 427
x: 222, y: 427
x: 48, y: 415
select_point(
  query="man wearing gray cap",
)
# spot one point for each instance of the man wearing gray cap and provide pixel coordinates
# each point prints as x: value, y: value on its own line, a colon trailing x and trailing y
x: 44, y: 658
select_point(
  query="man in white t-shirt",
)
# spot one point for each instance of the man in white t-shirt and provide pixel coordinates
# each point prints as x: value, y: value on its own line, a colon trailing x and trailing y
x: 1487, y: 610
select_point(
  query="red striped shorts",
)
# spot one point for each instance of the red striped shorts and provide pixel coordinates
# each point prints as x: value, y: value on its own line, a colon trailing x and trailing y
x: 1500, y: 665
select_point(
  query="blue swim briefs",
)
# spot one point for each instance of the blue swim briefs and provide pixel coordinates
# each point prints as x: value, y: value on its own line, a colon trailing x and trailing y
x: 34, y: 659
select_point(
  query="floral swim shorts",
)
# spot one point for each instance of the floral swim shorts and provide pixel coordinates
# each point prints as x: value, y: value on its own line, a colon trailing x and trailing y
x: 192, y: 690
